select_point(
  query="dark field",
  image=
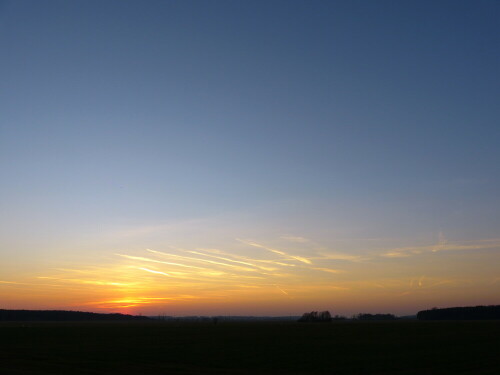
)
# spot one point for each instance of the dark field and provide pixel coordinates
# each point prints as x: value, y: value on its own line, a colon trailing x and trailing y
x: 409, y: 347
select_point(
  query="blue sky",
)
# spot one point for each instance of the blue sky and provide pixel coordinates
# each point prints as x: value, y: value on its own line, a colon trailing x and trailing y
x: 326, y: 120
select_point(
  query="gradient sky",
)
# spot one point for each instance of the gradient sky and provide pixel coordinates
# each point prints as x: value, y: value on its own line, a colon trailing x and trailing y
x: 249, y: 157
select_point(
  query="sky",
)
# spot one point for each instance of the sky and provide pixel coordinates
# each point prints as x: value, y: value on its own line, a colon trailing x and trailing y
x: 249, y: 157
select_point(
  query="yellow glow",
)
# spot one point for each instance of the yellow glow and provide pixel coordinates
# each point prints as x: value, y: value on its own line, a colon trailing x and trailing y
x: 264, y: 279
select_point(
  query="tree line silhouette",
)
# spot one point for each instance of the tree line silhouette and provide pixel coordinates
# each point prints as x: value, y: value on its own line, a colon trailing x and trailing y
x: 316, y: 317
x: 461, y: 313
x: 453, y: 313
x: 325, y: 316
x: 62, y: 315
x: 374, y: 317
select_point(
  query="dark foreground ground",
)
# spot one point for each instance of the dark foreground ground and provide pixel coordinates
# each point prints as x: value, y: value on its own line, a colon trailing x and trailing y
x: 410, y: 347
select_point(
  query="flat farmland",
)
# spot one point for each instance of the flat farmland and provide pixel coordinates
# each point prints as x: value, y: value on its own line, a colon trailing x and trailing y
x: 401, y: 347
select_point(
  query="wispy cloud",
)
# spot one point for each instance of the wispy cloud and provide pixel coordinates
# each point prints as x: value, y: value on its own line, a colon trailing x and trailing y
x: 324, y: 255
x: 137, y: 301
x: 157, y: 261
x: 153, y: 271
x: 245, y: 258
x: 441, y: 245
x: 282, y: 291
x: 201, y: 260
x: 12, y: 282
x: 276, y: 251
x: 330, y: 270
x: 222, y: 258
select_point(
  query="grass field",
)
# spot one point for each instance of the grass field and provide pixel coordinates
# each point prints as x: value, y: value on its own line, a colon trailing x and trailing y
x: 403, y: 347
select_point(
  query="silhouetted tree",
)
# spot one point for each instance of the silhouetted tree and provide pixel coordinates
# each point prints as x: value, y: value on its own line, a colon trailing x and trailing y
x: 461, y: 313
x: 314, y: 316
x: 374, y: 317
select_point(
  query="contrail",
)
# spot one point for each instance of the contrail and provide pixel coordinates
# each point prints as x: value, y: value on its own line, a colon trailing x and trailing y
x: 220, y: 252
x: 222, y: 258
x: 282, y: 291
x: 282, y: 253
x: 203, y: 261
x: 153, y: 271
x: 157, y: 261
x: 326, y: 269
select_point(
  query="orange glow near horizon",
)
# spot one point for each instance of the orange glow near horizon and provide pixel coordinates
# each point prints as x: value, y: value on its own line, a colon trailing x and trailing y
x: 270, y: 281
